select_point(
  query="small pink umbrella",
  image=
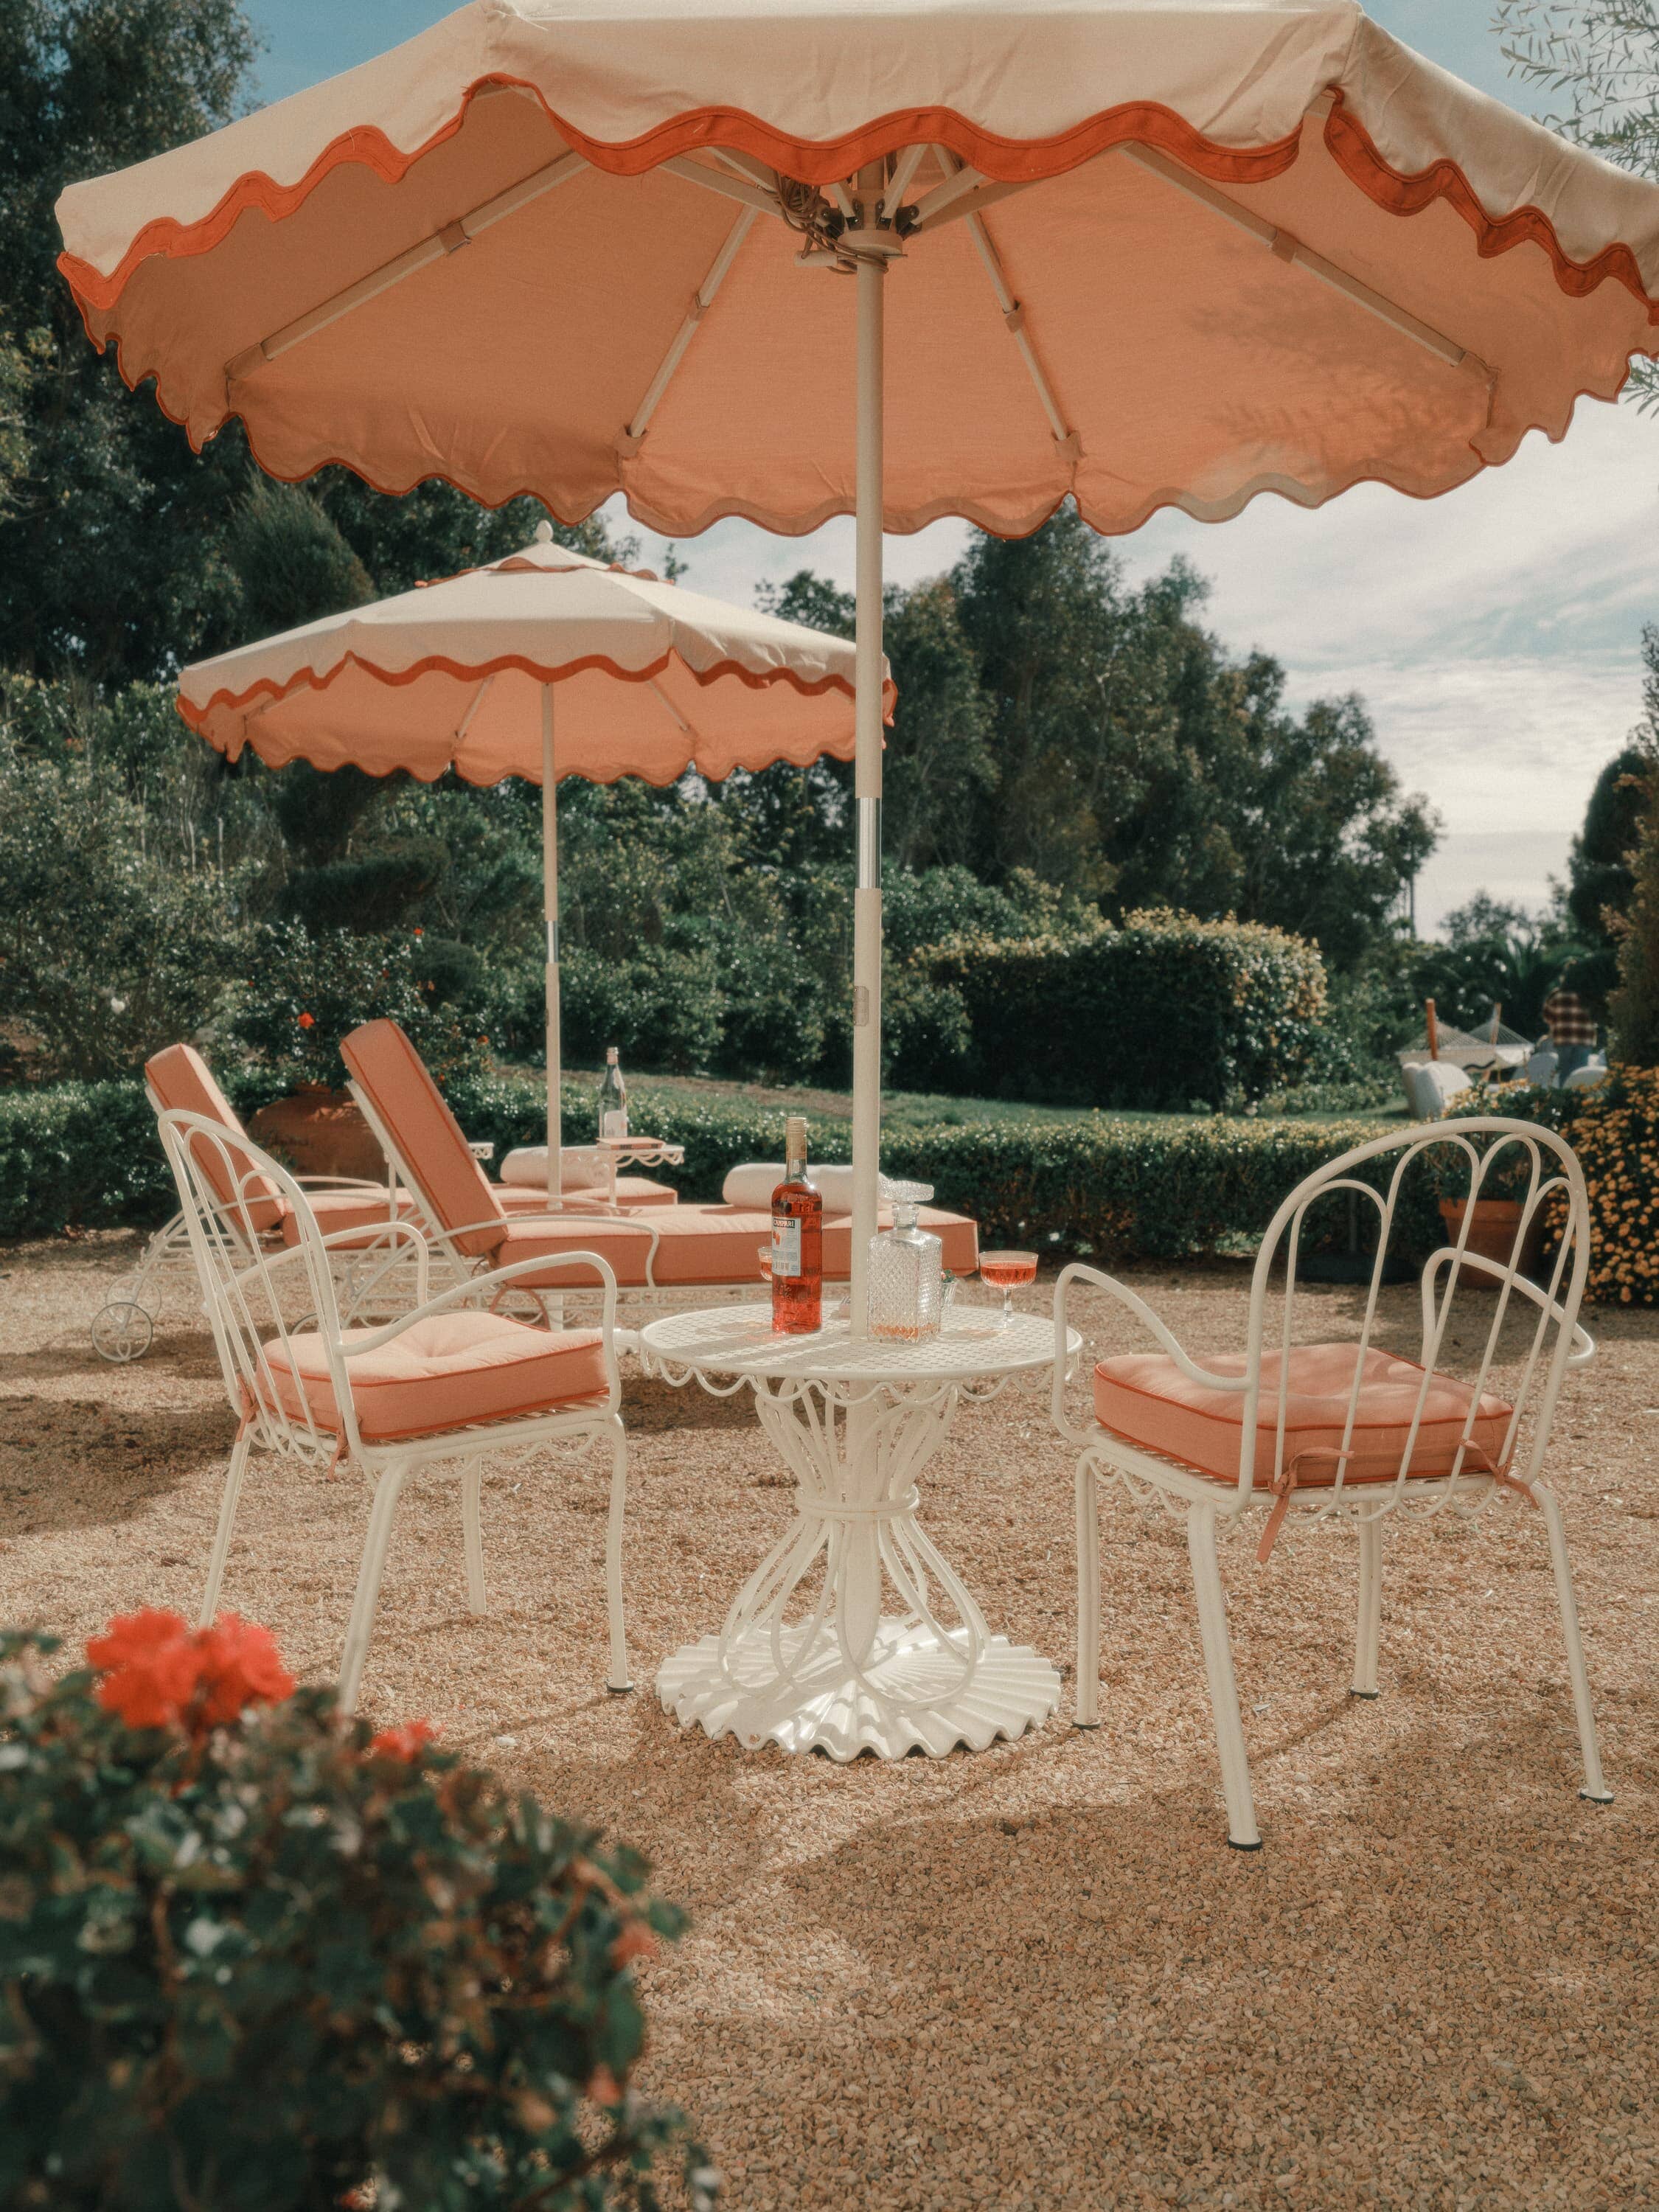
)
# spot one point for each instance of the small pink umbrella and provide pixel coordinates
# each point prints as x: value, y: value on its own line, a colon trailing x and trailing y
x: 1142, y: 252
x: 650, y: 680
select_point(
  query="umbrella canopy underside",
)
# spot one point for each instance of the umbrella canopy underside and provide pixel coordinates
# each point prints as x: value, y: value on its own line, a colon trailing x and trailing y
x: 1167, y: 254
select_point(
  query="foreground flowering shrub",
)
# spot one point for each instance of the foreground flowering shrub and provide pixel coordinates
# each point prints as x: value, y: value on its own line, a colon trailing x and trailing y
x: 258, y: 1959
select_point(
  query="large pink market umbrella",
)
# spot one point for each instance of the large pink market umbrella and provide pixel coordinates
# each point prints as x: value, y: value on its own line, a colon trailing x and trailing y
x: 649, y: 680
x: 1142, y: 252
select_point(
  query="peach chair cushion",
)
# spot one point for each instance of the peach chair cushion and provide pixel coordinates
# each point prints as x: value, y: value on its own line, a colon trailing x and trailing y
x: 1146, y: 1400
x: 184, y: 1083
x: 426, y: 1135
x: 715, y: 1246
x: 365, y: 1211
x: 447, y: 1371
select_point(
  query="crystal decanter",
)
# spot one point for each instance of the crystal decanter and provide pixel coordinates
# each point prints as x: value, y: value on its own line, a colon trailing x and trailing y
x: 907, y: 1275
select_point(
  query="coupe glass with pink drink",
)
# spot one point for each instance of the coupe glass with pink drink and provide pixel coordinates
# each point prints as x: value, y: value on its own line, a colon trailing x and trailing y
x: 1007, y: 1272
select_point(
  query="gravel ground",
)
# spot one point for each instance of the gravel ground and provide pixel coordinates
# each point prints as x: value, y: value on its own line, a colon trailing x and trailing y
x: 1035, y: 1976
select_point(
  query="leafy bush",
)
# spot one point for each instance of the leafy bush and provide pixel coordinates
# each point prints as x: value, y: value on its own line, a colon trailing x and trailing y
x: 258, y: 1958
x: 303, y: 992
x: 1159, y: 1012
x: 1099, y: 1185
x: 110, y: 945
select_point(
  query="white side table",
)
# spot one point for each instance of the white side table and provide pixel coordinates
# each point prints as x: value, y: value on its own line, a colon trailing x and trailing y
x: 836, y: 1641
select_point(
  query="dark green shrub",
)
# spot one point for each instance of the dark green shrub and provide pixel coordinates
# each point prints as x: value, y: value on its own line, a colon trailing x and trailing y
x: 1159, y: 1012
x: 302, y: 992
x: 1099, y: 1185
x: 660, y: 1006
x: 258, y: 1959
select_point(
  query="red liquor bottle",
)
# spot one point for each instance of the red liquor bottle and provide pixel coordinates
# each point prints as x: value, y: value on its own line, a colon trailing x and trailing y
x: 797, y: 1240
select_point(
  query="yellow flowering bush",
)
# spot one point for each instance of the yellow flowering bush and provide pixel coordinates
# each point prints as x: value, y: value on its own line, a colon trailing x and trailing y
x: 1615, y: 1130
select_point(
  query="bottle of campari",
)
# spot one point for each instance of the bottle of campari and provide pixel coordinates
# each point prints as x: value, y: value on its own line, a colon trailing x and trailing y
x: 797, y: 1240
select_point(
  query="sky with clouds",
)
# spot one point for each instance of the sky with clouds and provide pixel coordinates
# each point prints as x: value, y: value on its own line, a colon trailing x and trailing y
x: 1494, y: 634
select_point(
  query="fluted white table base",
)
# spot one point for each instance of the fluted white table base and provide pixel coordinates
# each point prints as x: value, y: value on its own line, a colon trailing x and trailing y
x: 855, y: 1633
x: 905, y: 1698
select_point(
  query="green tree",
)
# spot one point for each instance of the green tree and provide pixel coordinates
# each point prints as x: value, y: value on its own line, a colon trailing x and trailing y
x: 105, y: 550
x: 1600, y: 882
x: 1601, y: 59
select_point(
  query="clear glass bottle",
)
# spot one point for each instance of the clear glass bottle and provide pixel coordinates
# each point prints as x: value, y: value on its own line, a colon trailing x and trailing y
x: 906, y: 1274
x: 797, y: 1240
x: 613, y: 1097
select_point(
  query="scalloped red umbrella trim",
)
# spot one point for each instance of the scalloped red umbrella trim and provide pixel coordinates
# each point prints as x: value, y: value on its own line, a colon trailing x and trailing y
x: 1006, y: 161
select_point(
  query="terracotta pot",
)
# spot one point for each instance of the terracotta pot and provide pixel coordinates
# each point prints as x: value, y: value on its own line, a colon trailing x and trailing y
x: 1492, y: 1231
x: 319, y: 1132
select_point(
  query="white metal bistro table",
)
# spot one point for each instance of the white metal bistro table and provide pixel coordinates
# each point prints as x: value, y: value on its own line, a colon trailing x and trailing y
x: 811, y: 1657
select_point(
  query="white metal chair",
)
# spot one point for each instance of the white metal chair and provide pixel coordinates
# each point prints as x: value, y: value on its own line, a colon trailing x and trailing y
x: 443, y: 1382
x: 1346, y: 1432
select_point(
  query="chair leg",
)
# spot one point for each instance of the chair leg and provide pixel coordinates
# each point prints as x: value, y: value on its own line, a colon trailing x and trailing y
x: 360, y: 1626
x: 617, y: 1681
x: 225, y: 1530
x: 1370, y: 1609
x: 1241, y: 1831
x: 1087, y: 1712
x: 1596, y: 1788
x: 472, y: 1533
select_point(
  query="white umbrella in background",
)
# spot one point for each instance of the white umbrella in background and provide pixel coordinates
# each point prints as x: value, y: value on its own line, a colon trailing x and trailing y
x: 1142, y: 252
x: 544, y: 664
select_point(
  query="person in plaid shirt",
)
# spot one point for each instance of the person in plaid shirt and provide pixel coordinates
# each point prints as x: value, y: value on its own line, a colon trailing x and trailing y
x: 1572, y: 1030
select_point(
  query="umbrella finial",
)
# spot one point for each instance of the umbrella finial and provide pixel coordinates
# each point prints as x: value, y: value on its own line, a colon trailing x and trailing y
x: 543, y: 531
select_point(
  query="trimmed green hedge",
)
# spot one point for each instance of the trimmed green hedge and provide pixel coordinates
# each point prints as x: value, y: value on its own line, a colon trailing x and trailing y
x: 1163, y: 1011
x: 86, y: 1154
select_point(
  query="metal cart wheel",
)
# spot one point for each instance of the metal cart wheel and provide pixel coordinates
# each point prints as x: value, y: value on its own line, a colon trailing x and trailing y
x: 121, y: 1331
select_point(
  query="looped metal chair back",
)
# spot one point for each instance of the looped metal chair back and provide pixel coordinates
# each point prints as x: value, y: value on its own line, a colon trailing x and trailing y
x: 257, y: 1300
x: 1485, y: 1319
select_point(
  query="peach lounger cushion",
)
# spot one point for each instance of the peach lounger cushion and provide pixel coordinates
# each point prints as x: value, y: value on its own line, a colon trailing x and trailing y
x: 715, y: 1246
x: 448, y: 1372
x: 182, y: 1080
x: 1148, y: 1401
x: 631, y: 1191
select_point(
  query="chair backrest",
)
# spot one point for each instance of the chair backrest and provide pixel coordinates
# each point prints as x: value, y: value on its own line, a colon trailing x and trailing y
x: 254, y: 1296
x: 399, y: 1095
x: 180, y: 1081
x: 1393, y: 1187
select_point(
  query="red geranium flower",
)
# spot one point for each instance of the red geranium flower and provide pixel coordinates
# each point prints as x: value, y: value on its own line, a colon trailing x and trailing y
x: 242, y: 1666
x: 160, y: 1672
x: 307, y: 1021
x: 405, y: 1741
x: 151, y: 1665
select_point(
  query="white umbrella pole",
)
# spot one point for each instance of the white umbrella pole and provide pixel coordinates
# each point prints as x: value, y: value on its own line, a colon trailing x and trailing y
x: 867, y: 896
x: 550, y: 911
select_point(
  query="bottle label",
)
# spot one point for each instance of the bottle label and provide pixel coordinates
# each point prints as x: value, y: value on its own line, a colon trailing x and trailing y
x: 786, y: 1249
x: 614, y: 1122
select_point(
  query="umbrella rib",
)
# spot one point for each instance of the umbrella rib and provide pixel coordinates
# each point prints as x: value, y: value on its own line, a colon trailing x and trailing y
x: 442, y: 243
x: 1285, y: 248
x: 680, y: 722
x: 701, y: 300
x: 1013, y: 314
x: 893, y: 199
x: 476, y: 701
x: 721, y: 180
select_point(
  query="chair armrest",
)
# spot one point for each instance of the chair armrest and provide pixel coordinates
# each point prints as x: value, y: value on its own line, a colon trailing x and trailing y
x: 496, y: 1280
x: 269, y: 1262
x: 1583, y: 1344
x: 1143, y: 1313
